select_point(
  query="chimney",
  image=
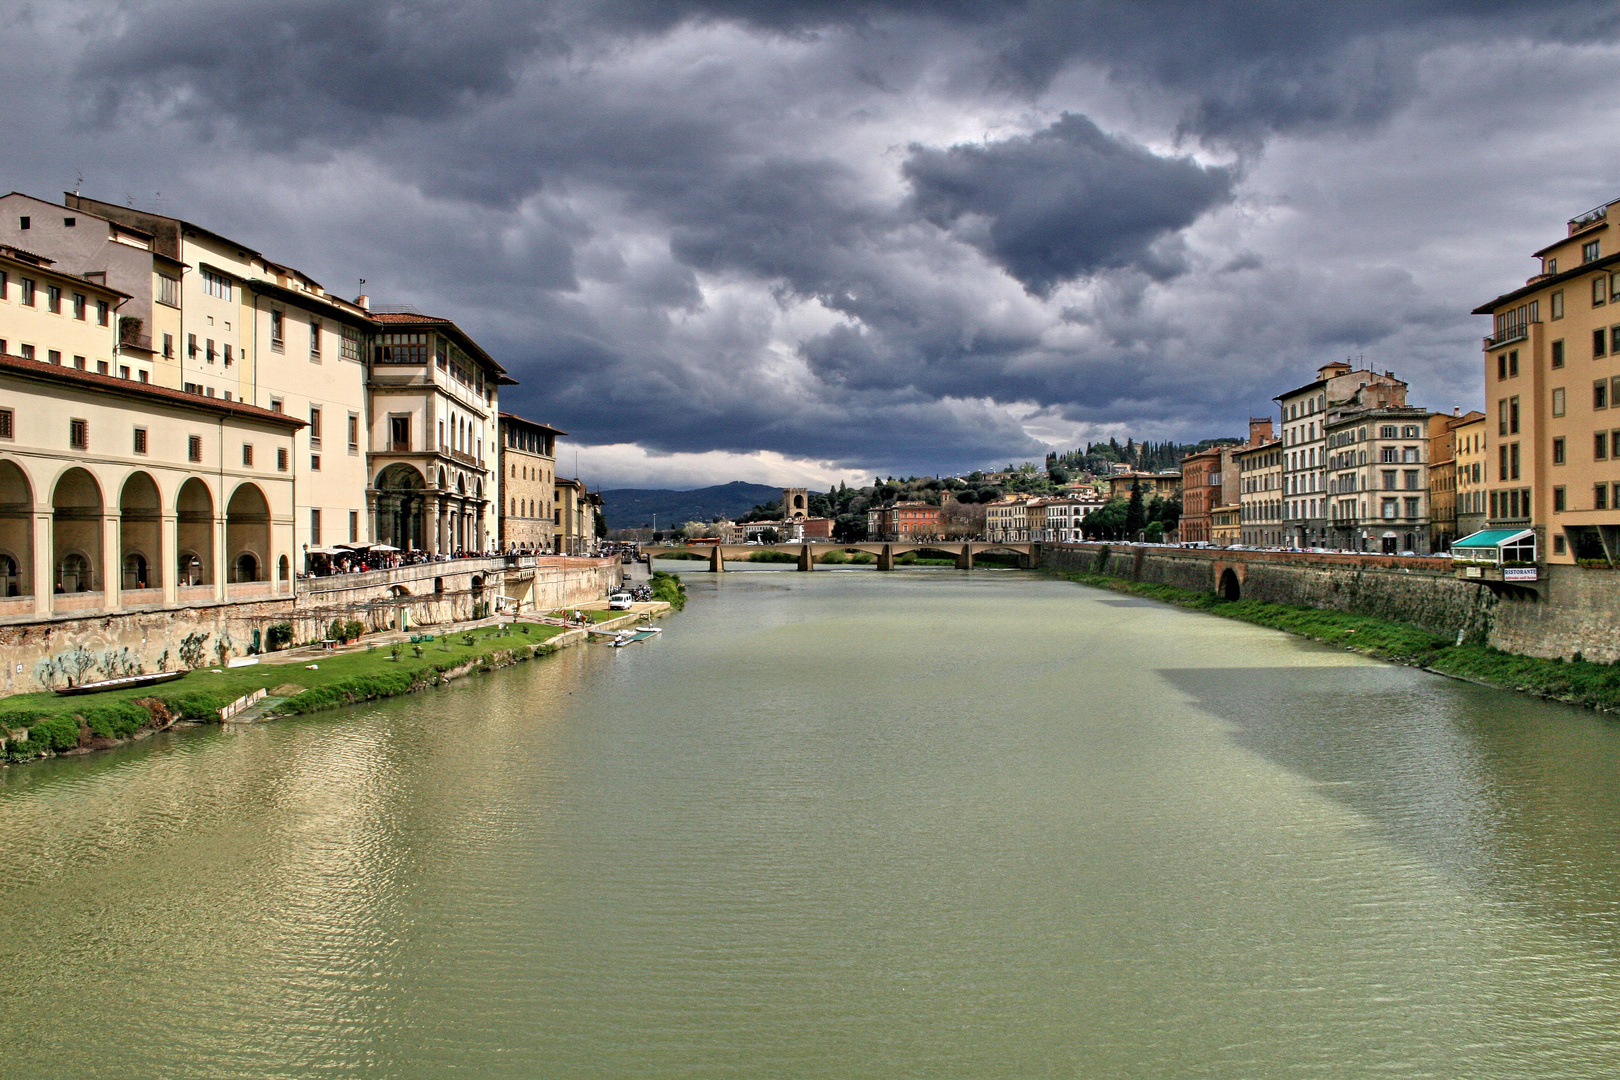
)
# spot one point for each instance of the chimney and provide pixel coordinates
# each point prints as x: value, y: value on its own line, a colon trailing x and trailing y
x: 1259, y: 430
x: 1456, y: 410
x: 363, y: 302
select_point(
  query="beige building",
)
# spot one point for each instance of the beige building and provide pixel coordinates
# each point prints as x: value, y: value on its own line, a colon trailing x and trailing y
x: 1307, y: 519
x: 215, y: 318
x: 118, y: 495
x: 1006, y: 520
x: 1260, y: 499
x: 574, y: 515
x: 528, y: 472
x: 1378, y: 474
x: 58, y: 318
x: 1470, y: 435
x: 1552, y: 369
x: 1165, y: 485
x: 434, y: 431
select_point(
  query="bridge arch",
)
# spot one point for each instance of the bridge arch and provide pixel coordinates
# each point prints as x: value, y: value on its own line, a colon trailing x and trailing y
x: 1230, y: 588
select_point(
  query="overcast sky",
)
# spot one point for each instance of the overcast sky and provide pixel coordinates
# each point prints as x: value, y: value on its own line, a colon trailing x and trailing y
x: 807, y: 241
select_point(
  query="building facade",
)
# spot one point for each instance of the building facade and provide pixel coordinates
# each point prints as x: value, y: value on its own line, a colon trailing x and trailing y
x: 1552, y: 370
x: 528, y: 473
x: 1006, y: 520
x: 573, y: 514
x: 1378, y: 487
x: 1306, y: 515
x: 1260, y: 497
x: 1472, y: 451
x: 118, y: 495
x: 1200, y: 493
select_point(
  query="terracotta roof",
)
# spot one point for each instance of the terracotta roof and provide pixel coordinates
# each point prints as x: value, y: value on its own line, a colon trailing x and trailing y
x: 404, y: 317
x: 38, y: 369
x: 532, y: 423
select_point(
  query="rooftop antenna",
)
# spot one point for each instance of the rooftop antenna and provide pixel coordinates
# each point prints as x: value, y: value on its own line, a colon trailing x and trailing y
x: 78, y: 180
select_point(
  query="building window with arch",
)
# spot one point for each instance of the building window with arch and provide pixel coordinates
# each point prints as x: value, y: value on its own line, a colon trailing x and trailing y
x: 73, y: 573
x: 10, y: 583
x: 189, y: 569
x: 135, y: 571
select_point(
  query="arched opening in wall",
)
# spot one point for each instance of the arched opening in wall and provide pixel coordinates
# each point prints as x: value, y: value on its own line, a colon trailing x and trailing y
x: 1230, y: 588
x: 137, y: 572
x: 247, y: 532
x: 10, y: 582
x: 73, y: 573
x: 194, y: 534
x: 283, y: 569
x: 17, y: 530
x: 140, y: 532
x: 401, y: 507
x: 76, y: 531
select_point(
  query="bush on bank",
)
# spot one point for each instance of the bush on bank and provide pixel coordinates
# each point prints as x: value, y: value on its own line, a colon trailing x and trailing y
x: 34, y: 725
x: 1575, y: 682
x: 669, y: 588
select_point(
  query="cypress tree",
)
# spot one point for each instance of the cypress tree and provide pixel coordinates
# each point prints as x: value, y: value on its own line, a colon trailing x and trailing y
x: 1135, y: 513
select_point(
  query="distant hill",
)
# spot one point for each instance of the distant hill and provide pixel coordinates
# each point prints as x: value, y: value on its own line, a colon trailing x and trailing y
x: 630, y: 508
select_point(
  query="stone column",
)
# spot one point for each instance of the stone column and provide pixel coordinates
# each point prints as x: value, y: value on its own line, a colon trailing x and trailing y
x: 806, y: 561
x: 965, y: 560
x: 112, y: 559
x: 886, y: 558
x: 717, y: 560
x: 44, y: 561
x: 221, y: 555
x: 371, y: 518
x: 169, y: 559
x: 435, y: 524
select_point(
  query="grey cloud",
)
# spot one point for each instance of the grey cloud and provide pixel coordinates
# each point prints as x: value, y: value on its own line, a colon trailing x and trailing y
x: 1065, y: 202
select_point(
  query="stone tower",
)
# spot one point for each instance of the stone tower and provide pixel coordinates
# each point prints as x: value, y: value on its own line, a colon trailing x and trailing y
x: 795, y: 504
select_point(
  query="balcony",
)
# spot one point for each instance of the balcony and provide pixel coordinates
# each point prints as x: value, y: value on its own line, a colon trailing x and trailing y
x: 1591, y: 217
x: 1509, y: 334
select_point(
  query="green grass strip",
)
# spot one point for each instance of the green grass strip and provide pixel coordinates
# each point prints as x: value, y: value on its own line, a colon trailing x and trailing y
x: 1575, y: 682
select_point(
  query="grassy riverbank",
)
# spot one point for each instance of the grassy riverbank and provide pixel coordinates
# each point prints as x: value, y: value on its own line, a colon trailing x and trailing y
x: 1577, y: 682
x: 33, y: 725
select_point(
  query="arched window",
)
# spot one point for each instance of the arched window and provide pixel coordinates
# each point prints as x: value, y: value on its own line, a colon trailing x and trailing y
x: 189, y: 569
x: 246, y: 567
x: 73, y: 573
x: 135, y: 575
x: 9, y: 585
x: 284, y: 568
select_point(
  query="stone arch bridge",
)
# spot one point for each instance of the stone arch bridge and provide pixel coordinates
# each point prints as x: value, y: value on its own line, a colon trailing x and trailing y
x: 810, y: 554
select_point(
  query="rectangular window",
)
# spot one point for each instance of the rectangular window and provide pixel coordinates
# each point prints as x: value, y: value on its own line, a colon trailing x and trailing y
x: 123, y: 371
x: 7, y: 431
x: 1558, y: 451
x: 399, y: 433
x: 1410, y: 477
x: 351, y: 343
x: 80, y: 303
x: 1388, y: 508
x: 1501, y: 417
x: 314, y: 463
x: 354, y: 431
x: 1513, y: 364
x: 27, y: 291
x: 101, y: 365
x: 1513, y: 415
x: 54, y: 356
x: 216, y: 285
x: 247, y: 455
x: 281, y: 459
x: 1558, y: 353
x: 144, y: 376
x: 1513, y: 461
x: 1600, y: 496
x: 27, y: 352
x: 191, y: 346
x: 275, y: 329
x: 5, y: 279
x: 1501, y: 366
x: 1590, y: 251
x: 1614, y: 444
x: 354, y: 526
x: 1558, y: 401
x: 1557, y: 304
x: 168, y: 346
x: 227, y: 355
x: 276, y: 405
x: 1614, y: 340
x: 1558, y: 500
x: 1600, y: 394
x: 211, y: 353
x: 1389, y: 480
x: 314, y: 425
x: 79, y: 434
x: 194, y: 448
x: 53, y: 298
x: 1494, y: 513
x: 1599, y: 339
x: 1600, y: 446
x: 1412, y: 510
x: 314, y: 526
x: 168, y: 290
x: 314, y: 339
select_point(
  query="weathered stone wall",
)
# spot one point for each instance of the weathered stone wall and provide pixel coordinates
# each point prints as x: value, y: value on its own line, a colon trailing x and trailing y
x: 432, y: 594
x: 1573, y: 610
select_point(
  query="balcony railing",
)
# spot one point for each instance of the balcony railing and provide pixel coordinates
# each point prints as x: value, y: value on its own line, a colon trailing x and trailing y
x: 1576, y: 224
x: 1510, y: 333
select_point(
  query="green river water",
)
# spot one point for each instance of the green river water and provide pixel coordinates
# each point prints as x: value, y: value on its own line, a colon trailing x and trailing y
x: 841, y: 824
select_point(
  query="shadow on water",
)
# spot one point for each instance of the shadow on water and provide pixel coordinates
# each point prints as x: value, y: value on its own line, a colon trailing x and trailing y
x: 1515, y: 798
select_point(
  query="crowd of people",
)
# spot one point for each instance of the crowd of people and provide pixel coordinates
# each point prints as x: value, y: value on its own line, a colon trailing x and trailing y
x: 363, y: 558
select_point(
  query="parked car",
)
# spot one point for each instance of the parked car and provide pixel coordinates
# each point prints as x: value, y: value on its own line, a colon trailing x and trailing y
x: 619, y: 601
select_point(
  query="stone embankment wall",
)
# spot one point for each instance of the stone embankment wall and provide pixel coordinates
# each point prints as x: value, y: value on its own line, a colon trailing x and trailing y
x: 431, y: 594
x: 1573, y: 609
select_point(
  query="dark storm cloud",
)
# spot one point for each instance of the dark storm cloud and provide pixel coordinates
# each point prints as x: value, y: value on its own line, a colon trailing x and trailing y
x: 1066, y: 201
x: 735, y: 224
